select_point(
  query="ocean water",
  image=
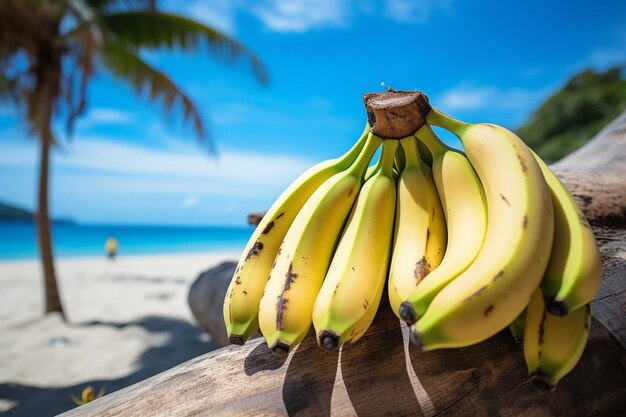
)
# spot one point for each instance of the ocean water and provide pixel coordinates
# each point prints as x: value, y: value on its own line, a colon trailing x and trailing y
x: 18, y: 239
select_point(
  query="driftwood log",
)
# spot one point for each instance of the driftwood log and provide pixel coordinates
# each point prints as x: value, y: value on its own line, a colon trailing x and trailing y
x: 383, y: 375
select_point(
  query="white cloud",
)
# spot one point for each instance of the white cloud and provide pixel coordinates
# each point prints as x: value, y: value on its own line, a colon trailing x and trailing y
x: 414, y: 11
x: 294, y: 16
x: 300, y: 15
x: 467, y: 97
x: 102, y: 115
x: 177, y: 170
x: 217, y: 13
x: 189, y: 201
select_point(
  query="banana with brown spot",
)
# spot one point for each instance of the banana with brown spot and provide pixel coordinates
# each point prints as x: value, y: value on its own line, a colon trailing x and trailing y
x: 498, y: 284
x: 553, y: 345
x: 420, y: 228
x: 465, y: 208
x: 287, y: 303
x: 241, y: 304
x: 348, y: 300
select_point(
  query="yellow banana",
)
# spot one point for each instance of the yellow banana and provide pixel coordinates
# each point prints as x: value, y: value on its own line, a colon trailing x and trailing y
x: 303, y: 258
x: 553, y: 345
x: 574, y: 270
x: 420, y: 229
x: 464, y: 204
x: 241, y: 304
x: 497, y: 286
x: 349, y: 298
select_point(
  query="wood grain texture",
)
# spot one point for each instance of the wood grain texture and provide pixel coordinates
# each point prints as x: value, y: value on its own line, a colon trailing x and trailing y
x: 383, y: 375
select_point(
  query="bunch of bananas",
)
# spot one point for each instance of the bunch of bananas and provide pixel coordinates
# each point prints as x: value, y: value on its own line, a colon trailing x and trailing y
x: 467, y: 243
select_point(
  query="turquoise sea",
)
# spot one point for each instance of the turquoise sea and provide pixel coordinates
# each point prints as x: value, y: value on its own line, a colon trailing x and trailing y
x: 18, y: 239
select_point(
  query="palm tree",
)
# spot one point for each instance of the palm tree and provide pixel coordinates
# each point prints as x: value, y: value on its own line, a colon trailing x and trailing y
x: 49, y: 51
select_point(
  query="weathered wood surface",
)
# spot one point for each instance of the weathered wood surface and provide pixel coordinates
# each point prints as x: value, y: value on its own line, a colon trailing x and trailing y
x: 383, y: 375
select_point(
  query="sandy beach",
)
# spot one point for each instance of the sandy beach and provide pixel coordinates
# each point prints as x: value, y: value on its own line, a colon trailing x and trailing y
x: 128, y: 319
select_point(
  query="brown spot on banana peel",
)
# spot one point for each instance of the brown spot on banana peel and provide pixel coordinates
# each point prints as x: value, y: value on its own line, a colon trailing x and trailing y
x: 488, y: 310
x: 366, y: 304
x: 505, y: 200
x: 245, y: 292
x: 280, y: 215
x: 422, y: 268
x: 350, y: 192
x: 255, y: 250
x: 522, y: 162
x: 238, y: 280
x: 541, y: 328
x: 525, y: 222
x: 497, y: 276
x: 267, y: 229
x: 476, y: 293
x: 281, y: 304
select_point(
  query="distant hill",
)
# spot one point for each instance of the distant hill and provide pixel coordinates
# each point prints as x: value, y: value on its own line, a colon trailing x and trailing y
x: 574, y: 114
x: 11, y: 213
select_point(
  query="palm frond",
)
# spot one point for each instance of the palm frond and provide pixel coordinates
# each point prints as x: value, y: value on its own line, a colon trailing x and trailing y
x: 76, y: 81
x: 125, y: 64
x: 154, y: 29
x: 110, y: 4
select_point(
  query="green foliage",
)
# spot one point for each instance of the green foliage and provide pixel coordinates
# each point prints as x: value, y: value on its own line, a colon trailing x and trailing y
x: 49, y: 51
x: 574, y: 114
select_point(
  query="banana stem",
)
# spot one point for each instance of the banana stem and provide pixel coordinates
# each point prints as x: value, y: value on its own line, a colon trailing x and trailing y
x: 387, y: 157
x: 437, y: 118
x: 362, y: 161
x: 432, y: 141
x: 409, y: 145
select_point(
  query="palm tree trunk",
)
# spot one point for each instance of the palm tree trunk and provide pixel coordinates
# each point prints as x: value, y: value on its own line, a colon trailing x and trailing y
x: 53, y: 301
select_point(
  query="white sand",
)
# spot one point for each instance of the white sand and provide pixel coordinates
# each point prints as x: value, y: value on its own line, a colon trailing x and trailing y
x: 127, y: 320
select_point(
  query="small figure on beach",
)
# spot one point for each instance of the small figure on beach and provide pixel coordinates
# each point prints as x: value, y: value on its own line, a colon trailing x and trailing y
x: 111, y: 247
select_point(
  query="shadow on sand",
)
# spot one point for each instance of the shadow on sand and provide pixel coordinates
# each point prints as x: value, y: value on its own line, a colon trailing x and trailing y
x: 184, y: 341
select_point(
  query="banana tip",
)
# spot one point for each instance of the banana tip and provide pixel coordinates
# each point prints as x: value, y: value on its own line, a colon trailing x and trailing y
x: 557, y: 307
x: 415, y: 338
x: 280, y: 348
x: 328, y: 340
x: 236, y: 339
x: 407, y: 313
x: 542, y: 382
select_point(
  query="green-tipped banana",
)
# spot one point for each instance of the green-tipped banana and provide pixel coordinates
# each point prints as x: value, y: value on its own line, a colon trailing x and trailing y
x: 574, y: 270
x: 463, y: 200
x: 496, y: 287
x: 241, y: 304
x: 303, y: 258
x: 420, y: 229
x: 350, y: 295
x: 553, y: 345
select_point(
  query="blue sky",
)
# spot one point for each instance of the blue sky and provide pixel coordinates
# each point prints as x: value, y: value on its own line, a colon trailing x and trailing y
x: 481, y: 61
